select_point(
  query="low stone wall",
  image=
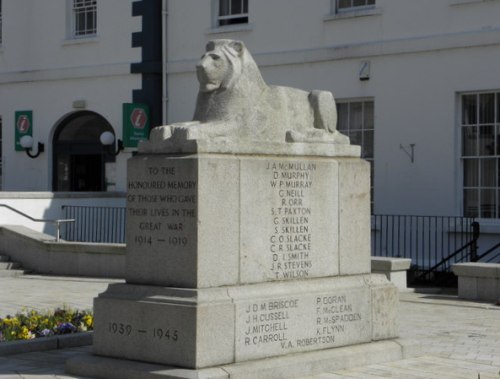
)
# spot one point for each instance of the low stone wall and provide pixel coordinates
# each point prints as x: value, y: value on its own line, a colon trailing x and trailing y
x: 478, y: 281
x: 39, y: 252
x: 48, y: 205
x: 393, y: 268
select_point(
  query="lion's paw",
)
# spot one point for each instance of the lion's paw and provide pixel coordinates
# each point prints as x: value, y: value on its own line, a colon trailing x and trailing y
x: 316, y: 136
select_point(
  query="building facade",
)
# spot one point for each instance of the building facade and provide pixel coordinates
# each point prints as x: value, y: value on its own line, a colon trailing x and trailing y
x: 416, y: 84
x: 70, y: 70
x: 415, y: 81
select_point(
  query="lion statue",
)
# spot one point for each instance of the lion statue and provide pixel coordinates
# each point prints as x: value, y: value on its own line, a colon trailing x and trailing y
x: 235, y: 102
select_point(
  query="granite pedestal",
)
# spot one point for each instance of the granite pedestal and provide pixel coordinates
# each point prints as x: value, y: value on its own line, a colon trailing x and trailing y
x: 239, y: 258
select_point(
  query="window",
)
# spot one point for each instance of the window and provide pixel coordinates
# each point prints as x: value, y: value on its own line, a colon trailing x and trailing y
x: 480, y: 127
x: 232, y: 12
x: 84, y: 18
x: 347, y: 5
x: 0, y: 22
x: 356, y: 120
x: 1, y: 151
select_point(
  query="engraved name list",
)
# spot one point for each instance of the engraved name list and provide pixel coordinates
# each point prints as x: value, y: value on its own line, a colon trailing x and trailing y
x: 290, y: 240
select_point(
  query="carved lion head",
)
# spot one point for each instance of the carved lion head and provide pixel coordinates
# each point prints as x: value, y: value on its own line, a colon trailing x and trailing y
x: 220, y: 65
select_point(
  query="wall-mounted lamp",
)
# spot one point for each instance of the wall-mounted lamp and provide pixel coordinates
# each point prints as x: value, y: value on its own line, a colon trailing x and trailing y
x: 27, y: 144
x: 108, y: 139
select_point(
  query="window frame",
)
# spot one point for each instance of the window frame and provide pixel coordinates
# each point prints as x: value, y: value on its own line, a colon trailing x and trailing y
x: 337, y: 9
x: 476, y: 179
x: 1, y: 24
x: 363, y: 132
x: 1, y: 152
x: 231, y: 16
x: 86, y: 9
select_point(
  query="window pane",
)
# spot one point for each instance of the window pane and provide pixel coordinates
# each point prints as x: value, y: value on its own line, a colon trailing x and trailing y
x: 498, y: 106
x: 344, y: 4
x: 369, y: 117
x: 359, y: 3
x: 245, y: 6
x: 236, y: 7
x: 487, y: 108
x: 486, y: 140
x: 488, y: 203
x: 367, y: 149
x: 356, y: 138
x: 80, y: 23
x: 469, y: 141
x: 471, y: 172
x: 224, y: 8
x: 356, y: 115
x: 91, y: 22
x: 343, y: 116
x: 488, y: 172
x: 0, y: 21
x: 469, y: 109
x: 471, y: 201
x: 370, y: 2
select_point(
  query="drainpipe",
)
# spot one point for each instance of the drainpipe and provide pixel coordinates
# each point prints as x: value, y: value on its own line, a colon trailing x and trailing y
x: 164, y: 98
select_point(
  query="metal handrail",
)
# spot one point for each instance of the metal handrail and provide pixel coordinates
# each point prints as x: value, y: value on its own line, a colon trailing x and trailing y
x: 57, y: 222
x: 471, y: 255
x: 488, y: 252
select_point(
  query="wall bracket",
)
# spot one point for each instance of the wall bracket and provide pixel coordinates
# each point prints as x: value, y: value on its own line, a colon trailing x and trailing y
x: 409, y: 150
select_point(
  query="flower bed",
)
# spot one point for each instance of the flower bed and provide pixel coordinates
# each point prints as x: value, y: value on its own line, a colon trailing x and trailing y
x: 27, y: 325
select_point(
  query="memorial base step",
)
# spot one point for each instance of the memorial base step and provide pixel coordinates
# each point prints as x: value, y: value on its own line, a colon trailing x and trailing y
x: 299, y: 365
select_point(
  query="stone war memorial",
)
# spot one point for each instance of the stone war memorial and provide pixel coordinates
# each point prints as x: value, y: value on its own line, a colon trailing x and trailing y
x: 248, y: 242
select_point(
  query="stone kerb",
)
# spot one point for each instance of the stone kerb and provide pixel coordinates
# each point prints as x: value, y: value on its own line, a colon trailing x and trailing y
x: 478, y: 281
x: 393, y: 268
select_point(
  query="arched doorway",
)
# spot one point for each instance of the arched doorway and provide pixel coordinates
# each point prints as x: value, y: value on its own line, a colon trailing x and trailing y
x: 78, y: 155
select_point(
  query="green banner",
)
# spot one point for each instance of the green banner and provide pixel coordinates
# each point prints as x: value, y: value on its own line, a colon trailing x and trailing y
x: 24, y: 127
x: 135, y: 123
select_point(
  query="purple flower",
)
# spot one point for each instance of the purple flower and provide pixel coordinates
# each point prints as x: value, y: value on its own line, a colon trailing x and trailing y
x: 66, y: 327
x: 45, y: 332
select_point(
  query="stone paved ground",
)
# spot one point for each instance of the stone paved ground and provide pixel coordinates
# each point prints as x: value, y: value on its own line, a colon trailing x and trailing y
x: 47, y: 292
x: 459, y: 339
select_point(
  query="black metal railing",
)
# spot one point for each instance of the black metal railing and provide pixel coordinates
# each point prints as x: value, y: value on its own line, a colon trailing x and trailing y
x: 488, y: 256
x: 94, y: 224
x: 433, y: 243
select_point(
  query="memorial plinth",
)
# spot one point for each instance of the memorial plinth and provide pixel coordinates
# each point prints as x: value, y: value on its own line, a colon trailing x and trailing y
x: 210, y: 220
x: 242, y: 253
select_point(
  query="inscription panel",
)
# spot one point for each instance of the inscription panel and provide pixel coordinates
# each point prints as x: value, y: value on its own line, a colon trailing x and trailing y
x: 289, y: 219
x: 162, y: 197
x: 301, y: 323
x: 168, y: 329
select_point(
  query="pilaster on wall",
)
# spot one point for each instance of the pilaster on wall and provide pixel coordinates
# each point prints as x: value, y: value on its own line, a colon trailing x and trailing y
x: 150, y: 40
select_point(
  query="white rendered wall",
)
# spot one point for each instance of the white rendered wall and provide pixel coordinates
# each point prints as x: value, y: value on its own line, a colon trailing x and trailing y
x: 422, y: 55
x: 102, y: 96
x: 43, y: 70
x: 48, y: 206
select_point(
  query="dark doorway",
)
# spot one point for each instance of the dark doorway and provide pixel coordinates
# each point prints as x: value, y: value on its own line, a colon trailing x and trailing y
x: 79, y: 157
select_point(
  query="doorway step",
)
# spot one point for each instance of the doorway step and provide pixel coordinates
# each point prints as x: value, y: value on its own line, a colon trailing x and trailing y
x: 8, y: 268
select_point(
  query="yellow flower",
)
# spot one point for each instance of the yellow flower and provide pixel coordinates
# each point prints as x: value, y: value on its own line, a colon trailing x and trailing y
x: 88, y: 320
x: 24, y: 333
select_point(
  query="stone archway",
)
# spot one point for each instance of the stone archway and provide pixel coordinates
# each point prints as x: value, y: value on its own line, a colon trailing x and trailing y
x: 78, y: 156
